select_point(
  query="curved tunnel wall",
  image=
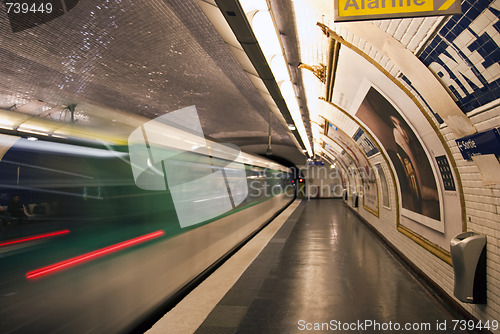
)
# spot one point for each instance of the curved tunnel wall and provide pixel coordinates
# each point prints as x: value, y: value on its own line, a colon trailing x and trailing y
x: 441, y: 76
x: 469, y: 103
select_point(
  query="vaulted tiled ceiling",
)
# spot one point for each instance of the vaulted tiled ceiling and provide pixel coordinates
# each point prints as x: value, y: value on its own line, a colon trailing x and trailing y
x: 151, y: 57
x: 146, y: 58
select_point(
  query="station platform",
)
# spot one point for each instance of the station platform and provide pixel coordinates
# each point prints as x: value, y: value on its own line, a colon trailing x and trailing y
x: 315, y: 268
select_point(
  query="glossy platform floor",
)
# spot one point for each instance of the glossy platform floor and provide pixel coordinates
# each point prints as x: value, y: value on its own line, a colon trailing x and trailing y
x: 325, y: 266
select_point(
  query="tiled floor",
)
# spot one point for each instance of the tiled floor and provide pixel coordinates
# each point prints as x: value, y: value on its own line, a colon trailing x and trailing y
x: 323, y: 270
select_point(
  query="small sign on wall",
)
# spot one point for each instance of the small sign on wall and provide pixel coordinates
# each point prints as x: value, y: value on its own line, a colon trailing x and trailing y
x: 487, y: 142
x: 315, y: 163
x: 446, y: 174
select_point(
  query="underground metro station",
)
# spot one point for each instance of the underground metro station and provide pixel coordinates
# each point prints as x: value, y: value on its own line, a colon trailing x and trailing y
x: 251, y: 166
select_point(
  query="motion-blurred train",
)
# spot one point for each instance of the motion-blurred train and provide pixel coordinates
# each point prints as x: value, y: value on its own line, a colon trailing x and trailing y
x: 109, y: 234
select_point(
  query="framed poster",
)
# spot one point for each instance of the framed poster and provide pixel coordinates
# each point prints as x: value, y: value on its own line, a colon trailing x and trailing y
x: 419, y: 193
x: 366, y: 144
x: 361, y: 165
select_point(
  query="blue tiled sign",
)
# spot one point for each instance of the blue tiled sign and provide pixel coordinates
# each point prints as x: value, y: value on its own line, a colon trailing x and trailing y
x: 465, y: 54
x: 487, y: 142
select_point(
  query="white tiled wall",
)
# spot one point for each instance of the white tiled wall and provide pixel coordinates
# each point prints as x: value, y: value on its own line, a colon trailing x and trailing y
x: 482, y: 203
x: 483, y: 210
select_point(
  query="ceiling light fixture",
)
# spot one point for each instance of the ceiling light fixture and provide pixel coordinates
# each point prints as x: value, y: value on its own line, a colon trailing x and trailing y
x: 34, y: 131
x: 5, y: 125
x: 261, y: 21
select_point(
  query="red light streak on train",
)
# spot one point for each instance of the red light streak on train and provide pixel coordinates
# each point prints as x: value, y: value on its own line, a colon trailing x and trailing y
x: 92, y: 255
x: 33, y: 237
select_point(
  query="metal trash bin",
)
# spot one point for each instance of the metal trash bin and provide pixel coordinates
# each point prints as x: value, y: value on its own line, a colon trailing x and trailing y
x: 355, y: 200
x: 345, y: 194
x: 468, y: 254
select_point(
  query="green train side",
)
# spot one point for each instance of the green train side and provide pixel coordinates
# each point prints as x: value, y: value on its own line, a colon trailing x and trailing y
x: 94, y: 252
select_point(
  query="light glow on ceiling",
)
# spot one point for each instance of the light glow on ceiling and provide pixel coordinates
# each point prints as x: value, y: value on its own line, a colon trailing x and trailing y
x: 263, y: 26
x: 265, y: 31
x: 313, y: 48
x: 5, y: 124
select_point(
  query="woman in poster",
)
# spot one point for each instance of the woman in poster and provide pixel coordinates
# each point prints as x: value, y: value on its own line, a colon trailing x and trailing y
x: 416, y: 178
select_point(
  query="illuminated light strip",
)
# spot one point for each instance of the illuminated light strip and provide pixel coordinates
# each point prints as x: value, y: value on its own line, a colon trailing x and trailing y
x: 34, y: 237
x: 92, y: 255
x: 269, y: 40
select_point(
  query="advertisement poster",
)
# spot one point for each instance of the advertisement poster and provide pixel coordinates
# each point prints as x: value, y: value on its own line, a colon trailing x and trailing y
x: 362, y: 166
x: 416, y: 178
x: 364, y: 141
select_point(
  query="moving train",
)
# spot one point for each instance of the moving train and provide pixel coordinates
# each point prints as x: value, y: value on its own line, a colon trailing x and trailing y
x: 110, y: 232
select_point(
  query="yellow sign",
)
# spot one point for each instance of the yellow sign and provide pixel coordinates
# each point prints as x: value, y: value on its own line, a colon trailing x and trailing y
x: 351, y: 10
x: 373, y: 7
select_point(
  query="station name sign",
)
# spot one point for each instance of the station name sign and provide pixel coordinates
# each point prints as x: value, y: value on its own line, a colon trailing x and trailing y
x: 487, y: 142
x: 315, y: 163
x: 357, y: 10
